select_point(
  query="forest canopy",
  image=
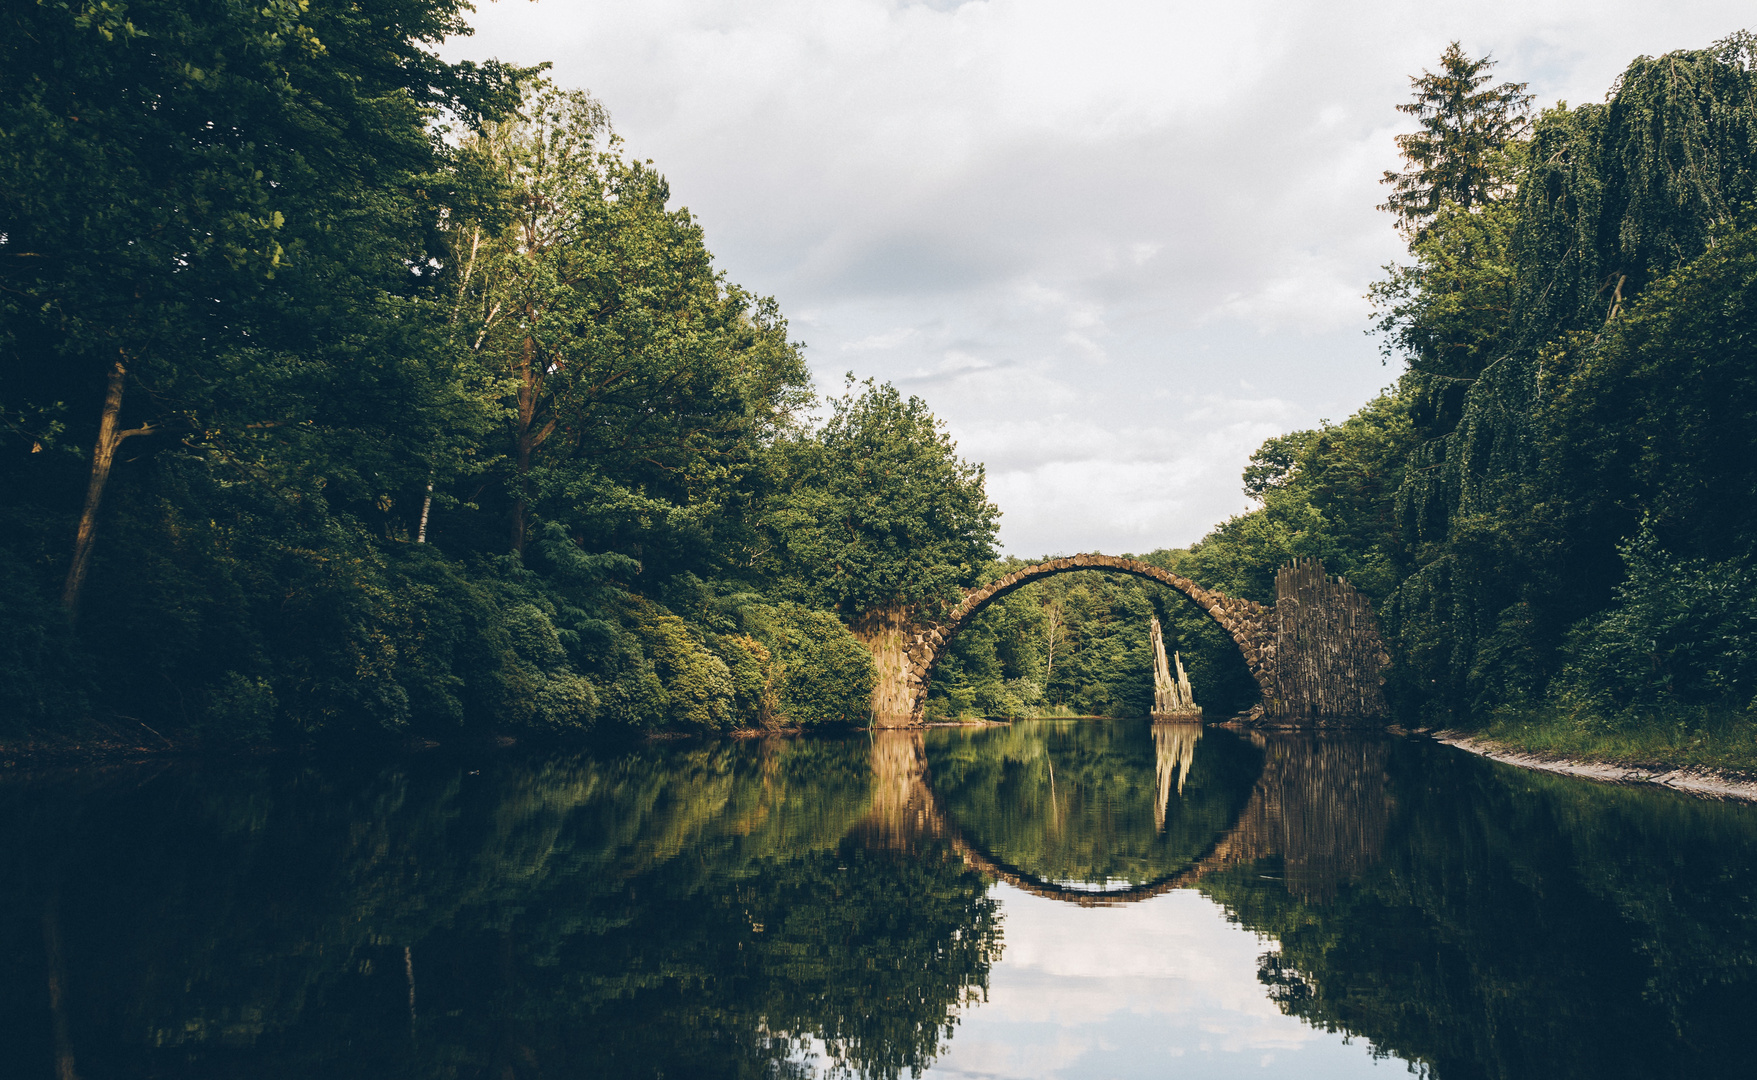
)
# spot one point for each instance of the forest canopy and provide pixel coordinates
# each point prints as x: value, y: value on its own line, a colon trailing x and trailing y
x: 1552, y: 504
x: 347, y: 391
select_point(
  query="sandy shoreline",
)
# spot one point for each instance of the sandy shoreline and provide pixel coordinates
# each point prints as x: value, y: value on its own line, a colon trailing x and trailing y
x: 1695, y: 781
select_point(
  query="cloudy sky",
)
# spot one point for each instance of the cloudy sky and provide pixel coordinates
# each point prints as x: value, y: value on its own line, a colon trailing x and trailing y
x: 1166, y: 987
x: 1115, y: 244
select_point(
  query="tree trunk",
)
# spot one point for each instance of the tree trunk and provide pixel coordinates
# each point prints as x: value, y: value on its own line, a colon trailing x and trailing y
x: 409, y: 970
x: 426, y: 508
x: 103, y: 454
x: 528, y: 379
x: 1055, y: 622
x: 64, y: 1069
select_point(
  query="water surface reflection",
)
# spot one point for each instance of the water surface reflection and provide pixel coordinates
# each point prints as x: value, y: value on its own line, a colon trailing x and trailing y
x: 1239, y: 903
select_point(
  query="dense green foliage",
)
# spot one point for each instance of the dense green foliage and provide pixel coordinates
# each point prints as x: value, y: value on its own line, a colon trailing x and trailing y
x: 345, y: 391
x: 348, y: 391
x: 878, y: 511
x: 1553, y: 502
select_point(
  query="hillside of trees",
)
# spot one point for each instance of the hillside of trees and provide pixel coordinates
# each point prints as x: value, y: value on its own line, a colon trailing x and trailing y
x: 347, y: 392
x: 1553, y: 503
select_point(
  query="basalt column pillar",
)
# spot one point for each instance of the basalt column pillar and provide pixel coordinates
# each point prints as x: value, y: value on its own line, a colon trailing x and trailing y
x: 886, y: 634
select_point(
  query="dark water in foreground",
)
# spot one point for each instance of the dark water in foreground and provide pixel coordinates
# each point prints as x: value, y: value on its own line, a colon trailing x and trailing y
x: 1078, y: 899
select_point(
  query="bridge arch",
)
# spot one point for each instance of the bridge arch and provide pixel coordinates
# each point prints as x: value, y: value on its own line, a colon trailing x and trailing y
x: 906, y: 652
x: 1245, y: 621
x: 1229, y: 850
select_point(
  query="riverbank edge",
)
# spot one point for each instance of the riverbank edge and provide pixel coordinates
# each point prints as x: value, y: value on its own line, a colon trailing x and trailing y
x: 1700, y: 782
x: 115, y: 747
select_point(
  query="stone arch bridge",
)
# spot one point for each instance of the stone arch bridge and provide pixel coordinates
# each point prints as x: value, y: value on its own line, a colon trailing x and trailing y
x: 1316, y: 654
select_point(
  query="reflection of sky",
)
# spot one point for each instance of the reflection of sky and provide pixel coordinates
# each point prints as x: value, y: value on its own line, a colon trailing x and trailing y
x: 1163, y: 987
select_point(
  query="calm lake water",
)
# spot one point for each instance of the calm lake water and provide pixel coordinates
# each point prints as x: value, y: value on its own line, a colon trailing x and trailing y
x: 1050, y: 899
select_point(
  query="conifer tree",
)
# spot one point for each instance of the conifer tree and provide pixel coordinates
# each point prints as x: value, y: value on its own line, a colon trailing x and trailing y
x: 1463, y: 124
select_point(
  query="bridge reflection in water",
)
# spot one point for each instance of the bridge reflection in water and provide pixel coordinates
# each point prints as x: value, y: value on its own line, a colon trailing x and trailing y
x: 718, y: 908
x: 1100, y: 815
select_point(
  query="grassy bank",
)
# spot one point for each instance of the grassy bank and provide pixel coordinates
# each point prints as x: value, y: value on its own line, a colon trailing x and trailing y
x: 1724, y: 741
x: 1056, y: 712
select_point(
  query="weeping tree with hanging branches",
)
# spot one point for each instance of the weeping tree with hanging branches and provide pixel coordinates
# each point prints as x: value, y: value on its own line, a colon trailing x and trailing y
x: 1557, y: 504
x: 1515, y: 534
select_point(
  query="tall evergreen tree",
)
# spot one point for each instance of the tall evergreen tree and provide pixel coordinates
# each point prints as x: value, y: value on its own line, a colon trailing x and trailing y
x: 1452, y: 159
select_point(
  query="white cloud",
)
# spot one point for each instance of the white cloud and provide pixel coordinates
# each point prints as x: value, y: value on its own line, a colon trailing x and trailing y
x: 1065, y: 218
x: 889, y: 339
x: 1123, y: 991
x: 1138, y: 483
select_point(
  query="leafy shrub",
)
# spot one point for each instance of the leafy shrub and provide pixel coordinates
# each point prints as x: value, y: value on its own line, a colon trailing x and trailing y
x: 1682, y: 631
x: 820, y: 673
x: 697, y: 684
x: 546, y: 694
x: 240, y: 709
x: 748, y: 662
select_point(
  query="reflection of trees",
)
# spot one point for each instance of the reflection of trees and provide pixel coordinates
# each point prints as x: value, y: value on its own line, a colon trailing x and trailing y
x: 696, y: 911
x: 704, y: 910
x: 1490, y: 922
x: 1080, y: 802
x: 1317, y: 804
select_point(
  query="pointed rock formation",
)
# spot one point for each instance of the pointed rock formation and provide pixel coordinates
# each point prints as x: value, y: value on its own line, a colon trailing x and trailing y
x: 1173, y: 699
